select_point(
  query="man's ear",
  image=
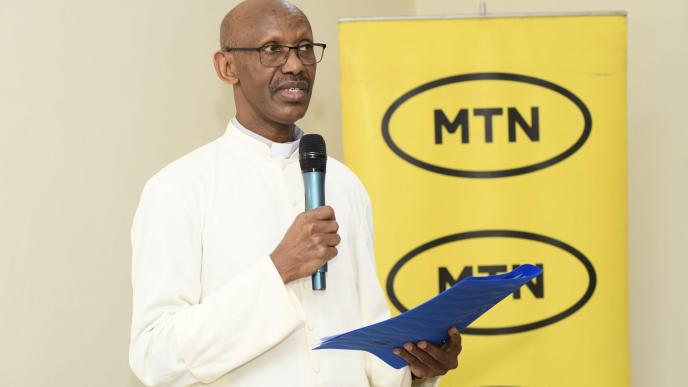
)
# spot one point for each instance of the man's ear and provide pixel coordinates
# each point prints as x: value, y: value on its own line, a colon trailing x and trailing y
x: 225, y: 67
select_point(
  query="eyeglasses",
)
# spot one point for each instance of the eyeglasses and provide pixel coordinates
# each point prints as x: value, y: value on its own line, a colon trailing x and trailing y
x: 276, y: 55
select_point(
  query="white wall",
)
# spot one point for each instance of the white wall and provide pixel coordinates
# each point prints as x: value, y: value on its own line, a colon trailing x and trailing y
x: 95, y: 96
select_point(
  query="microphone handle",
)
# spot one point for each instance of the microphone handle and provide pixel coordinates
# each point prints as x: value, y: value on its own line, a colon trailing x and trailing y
x: 314, y: 187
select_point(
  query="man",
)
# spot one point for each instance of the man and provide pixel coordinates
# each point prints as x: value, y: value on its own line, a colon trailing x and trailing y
x: 223, y: 251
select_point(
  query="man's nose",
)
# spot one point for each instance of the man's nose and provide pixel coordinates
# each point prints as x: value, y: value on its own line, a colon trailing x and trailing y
x: 293, y: 64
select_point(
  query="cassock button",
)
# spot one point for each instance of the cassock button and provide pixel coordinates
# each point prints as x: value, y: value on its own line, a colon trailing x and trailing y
x: 310, y: 326
x: 316, y: 367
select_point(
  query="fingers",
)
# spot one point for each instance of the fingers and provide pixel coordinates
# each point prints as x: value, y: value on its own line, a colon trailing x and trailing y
x: 421, y: 363
x: 324, y: 226
x: 330, y: 253
x: 323, y: 255
x: 453, y: 346
x: 421, y: 352
x: 440, y: 356
x: 309, y: 243
x: 324, y: 234
x: 321, y: 213
x: 417, y: 367
x: 320, y: 220
x: 427, y: 360
x: 330, y: 240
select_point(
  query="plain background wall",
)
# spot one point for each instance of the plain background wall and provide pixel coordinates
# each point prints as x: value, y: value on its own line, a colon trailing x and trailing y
x: 96, y: 96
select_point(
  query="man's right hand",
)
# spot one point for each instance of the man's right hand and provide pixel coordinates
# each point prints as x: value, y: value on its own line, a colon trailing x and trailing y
x: 308, y: 244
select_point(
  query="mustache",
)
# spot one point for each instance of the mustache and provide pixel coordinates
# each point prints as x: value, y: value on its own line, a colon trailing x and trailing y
x: 300, y: 80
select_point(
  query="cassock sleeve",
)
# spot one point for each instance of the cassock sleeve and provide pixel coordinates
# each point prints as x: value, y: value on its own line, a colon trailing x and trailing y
x: 177, y: 338
x: 374, y: 309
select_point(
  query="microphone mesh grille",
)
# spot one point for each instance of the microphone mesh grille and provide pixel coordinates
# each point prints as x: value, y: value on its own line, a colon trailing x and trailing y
x: 312, y: 152
x: 312, y: 143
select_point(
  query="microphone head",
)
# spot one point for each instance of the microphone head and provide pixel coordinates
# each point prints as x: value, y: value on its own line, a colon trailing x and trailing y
x: 312, y: 153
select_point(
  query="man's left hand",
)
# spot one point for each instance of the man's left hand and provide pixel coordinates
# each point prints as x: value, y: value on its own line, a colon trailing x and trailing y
x: 426, y: 360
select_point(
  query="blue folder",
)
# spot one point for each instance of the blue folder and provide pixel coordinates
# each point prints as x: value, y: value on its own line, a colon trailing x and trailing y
x: 457, y: 306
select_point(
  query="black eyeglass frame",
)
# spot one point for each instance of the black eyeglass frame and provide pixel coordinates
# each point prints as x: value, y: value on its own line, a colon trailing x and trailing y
x: 286, y: 57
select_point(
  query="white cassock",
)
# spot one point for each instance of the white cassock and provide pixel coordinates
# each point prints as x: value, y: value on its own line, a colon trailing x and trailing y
x: 209, y: 305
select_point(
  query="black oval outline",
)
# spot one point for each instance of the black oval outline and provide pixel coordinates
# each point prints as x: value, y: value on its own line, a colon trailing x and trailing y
x: 587, y: 128
x: 508, y: 234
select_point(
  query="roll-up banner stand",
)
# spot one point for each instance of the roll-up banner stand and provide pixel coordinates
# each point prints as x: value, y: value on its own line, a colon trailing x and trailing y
x: 490, y: 142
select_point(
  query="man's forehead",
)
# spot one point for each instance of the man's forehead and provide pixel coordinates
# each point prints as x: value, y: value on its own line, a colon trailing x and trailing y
x: 279, y: 28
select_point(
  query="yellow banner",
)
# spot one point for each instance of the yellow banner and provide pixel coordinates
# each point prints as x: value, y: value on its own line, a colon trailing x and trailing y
x: 491, y: 142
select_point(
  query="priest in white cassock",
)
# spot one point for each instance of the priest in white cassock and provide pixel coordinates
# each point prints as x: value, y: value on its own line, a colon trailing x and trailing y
x: 223, y: 250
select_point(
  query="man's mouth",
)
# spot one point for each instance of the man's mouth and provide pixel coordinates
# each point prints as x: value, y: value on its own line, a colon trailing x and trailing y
x: 293, y: 91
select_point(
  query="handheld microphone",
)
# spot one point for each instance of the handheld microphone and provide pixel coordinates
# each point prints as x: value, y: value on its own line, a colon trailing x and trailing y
x: 313, y: 159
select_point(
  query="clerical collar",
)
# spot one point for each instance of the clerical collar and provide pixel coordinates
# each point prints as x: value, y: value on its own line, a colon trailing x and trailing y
x: 278, y: 150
